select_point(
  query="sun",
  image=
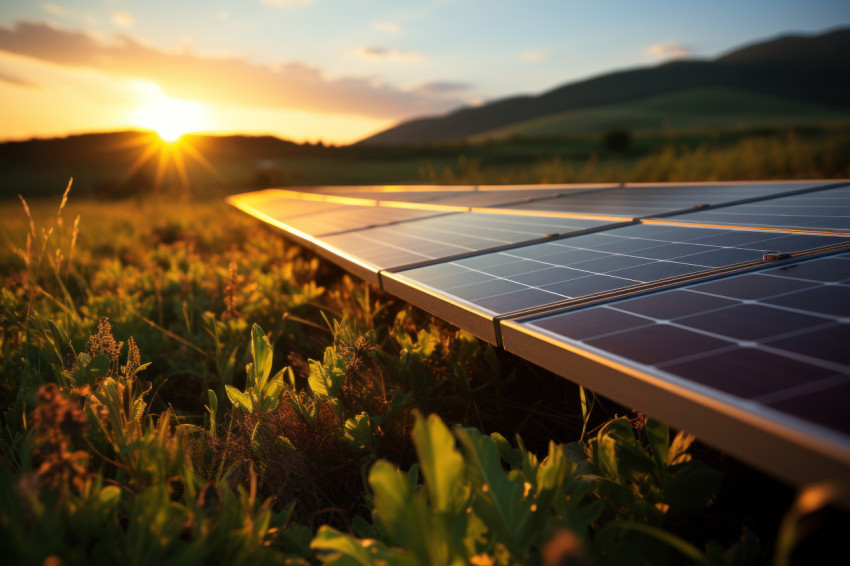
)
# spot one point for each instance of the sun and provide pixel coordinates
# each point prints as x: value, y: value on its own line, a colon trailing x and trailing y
x: 169, y: 117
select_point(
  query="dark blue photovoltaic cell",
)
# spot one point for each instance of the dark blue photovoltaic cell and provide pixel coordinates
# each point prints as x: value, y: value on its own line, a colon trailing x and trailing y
x: 446, y: 235
x: 642, y: 201
x: 819, y: 210
x: 770, y: 337
x: 585, y: 265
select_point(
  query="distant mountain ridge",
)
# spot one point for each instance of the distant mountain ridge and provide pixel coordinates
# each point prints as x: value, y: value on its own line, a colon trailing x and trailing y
x: 807, y: 69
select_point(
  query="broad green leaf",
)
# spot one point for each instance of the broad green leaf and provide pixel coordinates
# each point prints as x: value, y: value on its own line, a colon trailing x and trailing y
x: 99, y: 366
x: 327, y: 379
x: 441, y: 464
x: 297, y: 539
x: 239, y: 399
x: 261, y: 352
x: 398, y: 510
x: 271, y: 394
x: 691, y: 485
x: 334, y: 547
x: 619, y: 454
x: 678, y: 453
x: 357, y: 432
x: 506, y: 451
x: 501, y: 501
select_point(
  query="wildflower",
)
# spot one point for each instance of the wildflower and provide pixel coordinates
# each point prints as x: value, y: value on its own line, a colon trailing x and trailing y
x: 103, y: 343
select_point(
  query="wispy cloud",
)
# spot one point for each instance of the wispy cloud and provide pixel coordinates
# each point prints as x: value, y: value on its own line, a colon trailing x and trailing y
x: 532, y: 55
x: 225, y: 80
x: 222, y: 15
x: 123, y: 19
x: 12, y: 79
x: 389, y: 54
x: 387, y: 27
x: 669, y: 50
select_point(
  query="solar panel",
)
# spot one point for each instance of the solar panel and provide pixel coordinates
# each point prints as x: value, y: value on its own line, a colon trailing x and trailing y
x: 730, y: 321
x: 819, y: 210
x: 579, y: 267
x: 641, y: 200
x: 322, y: 217
x: 771, y: 344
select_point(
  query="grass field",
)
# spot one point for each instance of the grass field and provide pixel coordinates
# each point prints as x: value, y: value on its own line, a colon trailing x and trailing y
x: 179, y: 385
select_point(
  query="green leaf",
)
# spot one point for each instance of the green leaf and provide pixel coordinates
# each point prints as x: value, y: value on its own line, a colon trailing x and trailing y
x: 357, y: 433
x: 402, y: 515
x: 327, y: 379
x: 501, y: 501
x: 270, y: 396
x: 506, y: 451
x: 213, y: 410
x: 238, y: 399
x: 297, y: 539
x: 669, y: 539
x: 678, y: 453
x: 658, y: 436
x: 285, y: 445
x: 99, y: 366
x: 620, y: 456
x: 691, y: 485
x: 334, y: 547
x: 441, y: 464
x: 261, y: 352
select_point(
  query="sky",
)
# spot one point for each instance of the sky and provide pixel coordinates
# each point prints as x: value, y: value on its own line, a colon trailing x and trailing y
x: 338, y: 71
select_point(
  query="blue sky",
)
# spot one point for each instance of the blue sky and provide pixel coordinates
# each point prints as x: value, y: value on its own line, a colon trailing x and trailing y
x: 339, y: 70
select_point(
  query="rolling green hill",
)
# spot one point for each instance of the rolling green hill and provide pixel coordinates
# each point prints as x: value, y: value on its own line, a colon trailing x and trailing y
x: 808, y: 70
x: 691, y: 109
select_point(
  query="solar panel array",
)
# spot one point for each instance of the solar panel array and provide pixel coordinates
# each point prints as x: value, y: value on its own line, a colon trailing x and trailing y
x: 723, y: 309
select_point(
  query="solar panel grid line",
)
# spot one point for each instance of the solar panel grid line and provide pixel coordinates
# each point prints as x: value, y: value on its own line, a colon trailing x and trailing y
x: 329, y: 216
x: 794, y: 392
x: 661, y: 199
x: 523, y: 262
x: 780, y: 182
x: 460, y: 312
x: 550, y: 214
x: 673, y: 282
x: 348, y: 262
x: 826, y: 209
x: 502, y: 247
x: 391, y: 223
x: 758, y: 198
x: 559, y: 195
x: 675, y: 222
x: 475, y: 320
x: 750, y: 431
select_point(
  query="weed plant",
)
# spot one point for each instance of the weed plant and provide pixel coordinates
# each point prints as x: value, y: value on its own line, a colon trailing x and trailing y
x: 180, y: 386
